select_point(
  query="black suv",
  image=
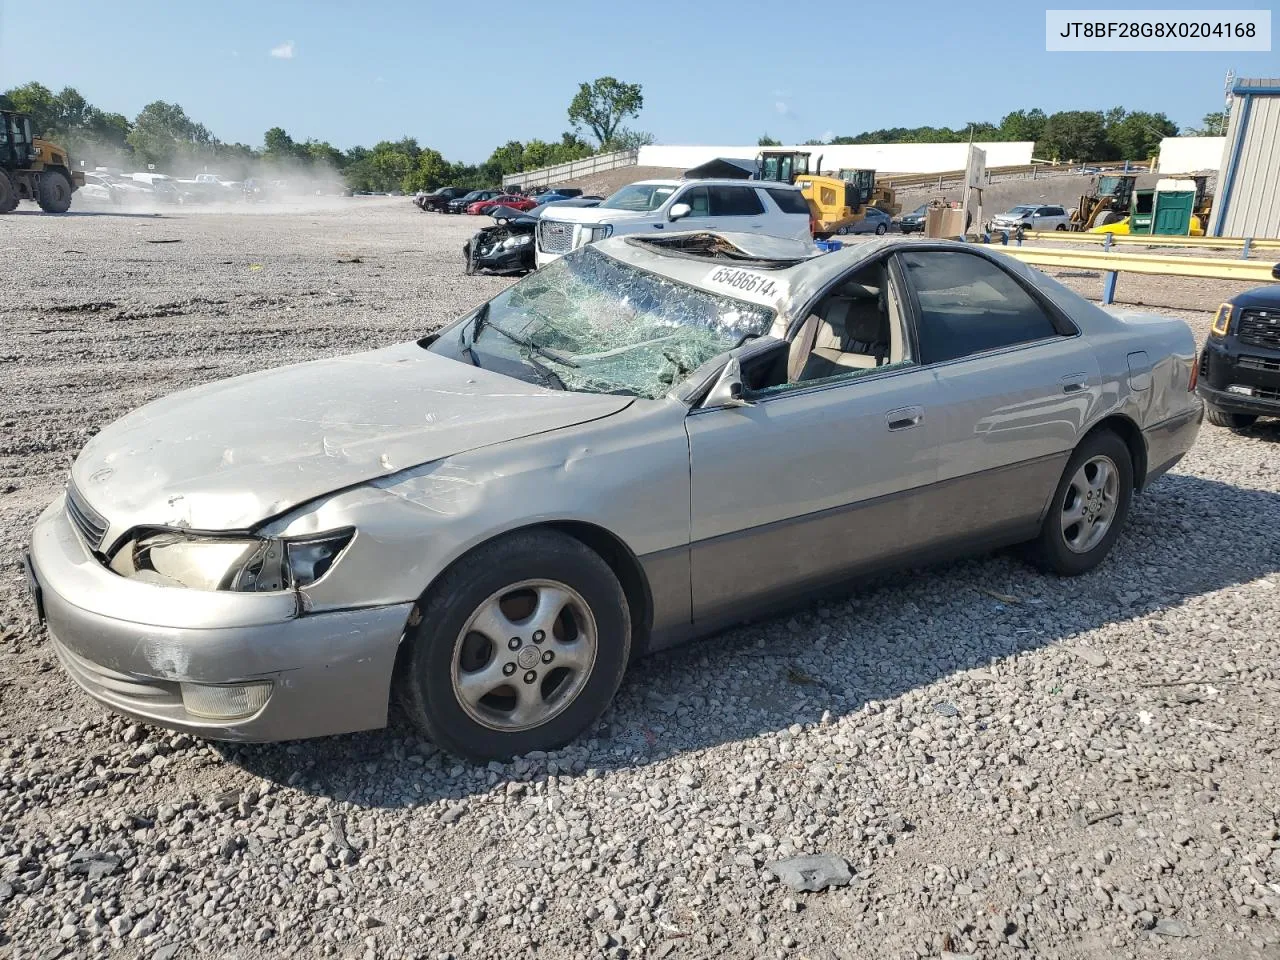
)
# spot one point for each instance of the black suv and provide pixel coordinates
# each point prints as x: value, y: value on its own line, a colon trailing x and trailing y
x: 1239, y: 377
x: 438, y: 200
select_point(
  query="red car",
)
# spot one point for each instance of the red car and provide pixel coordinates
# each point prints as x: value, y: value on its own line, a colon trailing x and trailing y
x: 512, y: 200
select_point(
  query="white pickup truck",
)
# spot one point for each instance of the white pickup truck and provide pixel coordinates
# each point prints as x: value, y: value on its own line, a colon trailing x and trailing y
x: 771, y: 209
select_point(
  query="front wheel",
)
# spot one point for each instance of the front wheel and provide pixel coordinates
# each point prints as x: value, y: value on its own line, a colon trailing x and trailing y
x: 54, y: 192
x: 8, y: 193
x: 1089, y: 507
x: 521, y: 646
x: 1233, y: 421
x: 881, y: 229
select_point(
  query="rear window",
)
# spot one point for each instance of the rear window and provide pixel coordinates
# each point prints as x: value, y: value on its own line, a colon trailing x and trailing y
x: 788, y: 201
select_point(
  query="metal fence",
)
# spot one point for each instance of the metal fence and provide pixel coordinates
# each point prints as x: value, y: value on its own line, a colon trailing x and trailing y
x: 547, y: 176
x: 1024, y: 171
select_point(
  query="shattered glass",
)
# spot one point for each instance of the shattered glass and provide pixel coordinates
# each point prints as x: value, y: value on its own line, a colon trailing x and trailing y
x: 591, y: 323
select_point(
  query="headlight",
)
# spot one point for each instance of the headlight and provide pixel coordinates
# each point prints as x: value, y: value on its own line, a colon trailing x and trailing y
x: 1221, y: 321
x: 599, y: 232
x: 243, y: 564
x: 521, y: 241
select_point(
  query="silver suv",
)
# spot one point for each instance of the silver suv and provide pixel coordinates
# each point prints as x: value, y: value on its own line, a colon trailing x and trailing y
x: 1031, y: 216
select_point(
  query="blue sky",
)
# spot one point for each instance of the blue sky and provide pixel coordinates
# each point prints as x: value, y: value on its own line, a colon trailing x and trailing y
x: 465, y: 77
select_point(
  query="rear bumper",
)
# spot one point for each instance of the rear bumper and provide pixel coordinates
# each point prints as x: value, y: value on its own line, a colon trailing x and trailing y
x: 329, y: 673
x: 1168, y: 442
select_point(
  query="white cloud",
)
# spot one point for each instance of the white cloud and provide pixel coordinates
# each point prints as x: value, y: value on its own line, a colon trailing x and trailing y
x: 284, y: 51
x: 783, y: 108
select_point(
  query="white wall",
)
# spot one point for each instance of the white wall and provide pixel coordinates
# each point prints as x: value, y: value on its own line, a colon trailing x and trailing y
x: 1189, y: 154
x: 883, y: 157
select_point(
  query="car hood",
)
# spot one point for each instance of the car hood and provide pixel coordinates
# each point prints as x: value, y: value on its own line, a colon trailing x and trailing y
x: 231, y: 454
x: 597, y: 214
x: 1261, y: 298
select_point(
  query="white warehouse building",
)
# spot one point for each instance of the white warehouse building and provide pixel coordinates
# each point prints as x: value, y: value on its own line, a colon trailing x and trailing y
x: 881, y: 157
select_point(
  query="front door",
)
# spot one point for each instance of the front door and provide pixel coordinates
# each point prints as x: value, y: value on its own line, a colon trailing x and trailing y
x: 816, y: 479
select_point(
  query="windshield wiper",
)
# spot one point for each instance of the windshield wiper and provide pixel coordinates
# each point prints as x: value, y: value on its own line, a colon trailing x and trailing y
x: 530, y: 345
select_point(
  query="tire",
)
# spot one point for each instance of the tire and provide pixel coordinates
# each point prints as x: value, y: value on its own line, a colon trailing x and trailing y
x: 1072, y: 549
x: 8, y: 194
x: 54, y: 192
x: 499, y: 581
x: 881, y: 229
x: 843, y: 231
x: 1061, y: 227
x: 1233, y: 421
x: 468, y: 266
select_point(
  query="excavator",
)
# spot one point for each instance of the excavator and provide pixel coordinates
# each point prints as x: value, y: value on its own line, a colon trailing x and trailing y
x: 837, y: 202
x: 32, y: 168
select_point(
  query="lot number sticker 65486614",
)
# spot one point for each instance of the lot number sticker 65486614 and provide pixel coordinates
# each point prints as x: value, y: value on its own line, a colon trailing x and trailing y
x: 737, y: 280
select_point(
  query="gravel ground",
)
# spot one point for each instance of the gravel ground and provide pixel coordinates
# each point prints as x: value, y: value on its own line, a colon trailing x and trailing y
x: 1010, y: 764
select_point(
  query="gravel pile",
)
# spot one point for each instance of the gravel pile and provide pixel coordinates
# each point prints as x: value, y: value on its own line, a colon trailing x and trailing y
x: 975, y: 760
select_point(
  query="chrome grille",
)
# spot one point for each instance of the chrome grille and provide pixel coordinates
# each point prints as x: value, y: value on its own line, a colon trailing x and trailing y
x: 1260, y: 328
x: 554, y: 237
x: 87, y: 521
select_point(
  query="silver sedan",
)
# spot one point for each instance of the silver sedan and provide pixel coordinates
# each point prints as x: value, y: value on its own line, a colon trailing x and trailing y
x: 643, y: 442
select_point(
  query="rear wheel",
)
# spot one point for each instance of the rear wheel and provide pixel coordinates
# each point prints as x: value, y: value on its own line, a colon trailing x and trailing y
x: 1234, y: 421
x: 1089, y: 507
x: 8, y: 193
x: 1061, y: 227
x: 881, y: 229
x: 520, y: 646
x: 54, y: 192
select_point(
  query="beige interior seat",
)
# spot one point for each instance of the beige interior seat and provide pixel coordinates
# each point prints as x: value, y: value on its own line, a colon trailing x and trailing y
x: 848, y: 332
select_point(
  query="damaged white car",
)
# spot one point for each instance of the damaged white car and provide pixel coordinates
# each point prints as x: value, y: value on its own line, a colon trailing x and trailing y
x: 645, y: 440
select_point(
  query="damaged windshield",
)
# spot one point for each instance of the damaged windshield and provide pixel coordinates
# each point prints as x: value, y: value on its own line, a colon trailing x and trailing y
x: 591, y: 323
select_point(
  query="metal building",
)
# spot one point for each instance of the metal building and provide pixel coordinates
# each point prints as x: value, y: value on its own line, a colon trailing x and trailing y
x: 1247, y: 202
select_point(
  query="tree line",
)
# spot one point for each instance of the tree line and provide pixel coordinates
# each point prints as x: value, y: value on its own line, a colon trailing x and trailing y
x: 164, y: 136
x: 1115, y: 134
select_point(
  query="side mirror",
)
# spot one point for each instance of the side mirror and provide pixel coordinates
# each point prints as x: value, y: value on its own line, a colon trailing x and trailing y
x: 679, y: 211
x: 728, y: 391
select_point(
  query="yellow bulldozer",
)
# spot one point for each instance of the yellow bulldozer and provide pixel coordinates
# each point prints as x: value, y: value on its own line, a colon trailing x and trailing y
x: 838, y: 202
x: 32, y: 168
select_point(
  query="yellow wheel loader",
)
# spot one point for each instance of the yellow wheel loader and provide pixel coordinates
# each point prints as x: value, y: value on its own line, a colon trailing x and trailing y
x: 32, y: 168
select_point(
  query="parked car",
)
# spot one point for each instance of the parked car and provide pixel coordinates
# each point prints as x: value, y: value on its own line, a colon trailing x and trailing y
x: 437, y: 201
x: 913, y: 222
x: 460, y: 204
x: 554, y: 483
x: 98, y: 188
x: 558, y: 193
x: 770, y: 209
x: 506, y: 246
x: 1240, y: 363
x: 874, y: 220
x: 514, y: 201
x: 1031, y: 216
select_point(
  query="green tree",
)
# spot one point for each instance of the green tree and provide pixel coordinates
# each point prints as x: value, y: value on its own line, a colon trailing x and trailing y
x: 767, y: 141
x: 280, y: 148
x: 1075, y: 135
x: 431, y: 171
x: 1137, y: 135
x: 626, y: 139
x: 603, y: 104
x: 324, y: 154
x: 37, y: 100
x: 1211, y: 125
x: 163, y: 134
x: 509, y: 158
x: 1023, y: 125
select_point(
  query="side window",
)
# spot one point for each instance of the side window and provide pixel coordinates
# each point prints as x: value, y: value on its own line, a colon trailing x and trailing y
x: 1055, y: 212
x: 969, y: 305
x: 696, y: 198
x: 788, y: 201
x: 735, y: 202
x: 855, y: 329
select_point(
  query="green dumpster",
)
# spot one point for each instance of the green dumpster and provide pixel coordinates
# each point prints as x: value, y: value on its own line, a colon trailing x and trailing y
x: 1140, y: 215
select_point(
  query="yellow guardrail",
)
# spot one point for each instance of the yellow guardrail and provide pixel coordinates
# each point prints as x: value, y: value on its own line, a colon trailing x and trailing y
x: 1155, y: 240
x: 1169, y: 265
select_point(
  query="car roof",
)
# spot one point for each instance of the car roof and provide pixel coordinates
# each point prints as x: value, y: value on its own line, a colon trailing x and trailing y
x: 800, y: 271
x: 715, y: 182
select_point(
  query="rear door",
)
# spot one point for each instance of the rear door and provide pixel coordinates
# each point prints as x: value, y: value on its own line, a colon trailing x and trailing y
x: 1019, y: 384
x: 736, y: 208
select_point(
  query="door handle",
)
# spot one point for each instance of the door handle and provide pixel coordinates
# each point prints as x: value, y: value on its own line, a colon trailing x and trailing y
x: 1074, y: 382
x: 904, y: 418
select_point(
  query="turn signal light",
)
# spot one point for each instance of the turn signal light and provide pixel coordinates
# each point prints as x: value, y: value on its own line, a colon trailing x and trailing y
x: 1195, y: 375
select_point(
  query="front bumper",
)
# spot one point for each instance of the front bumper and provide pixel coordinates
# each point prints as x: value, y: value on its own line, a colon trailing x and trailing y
x: 1227, y: 363
x: 330, y: 673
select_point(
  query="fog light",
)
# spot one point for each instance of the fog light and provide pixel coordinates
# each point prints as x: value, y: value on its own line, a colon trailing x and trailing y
x: 225, y: 701
x: 1237, y: 388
